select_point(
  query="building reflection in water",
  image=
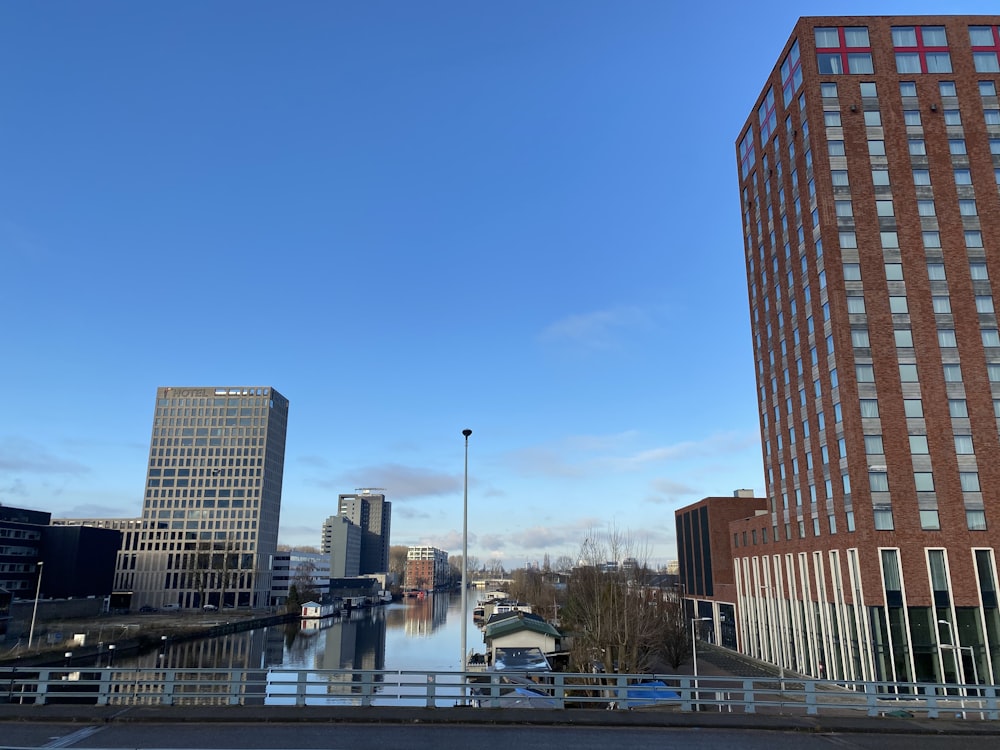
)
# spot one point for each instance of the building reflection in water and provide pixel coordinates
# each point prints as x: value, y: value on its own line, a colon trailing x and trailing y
x: 356, y: 642
x: 423, y: 616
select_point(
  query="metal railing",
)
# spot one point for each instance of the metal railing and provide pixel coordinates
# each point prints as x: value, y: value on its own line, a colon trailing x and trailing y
x: 555, y: 690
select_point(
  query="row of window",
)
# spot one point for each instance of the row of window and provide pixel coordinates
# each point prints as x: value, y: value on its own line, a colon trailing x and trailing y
x: 918, y: 49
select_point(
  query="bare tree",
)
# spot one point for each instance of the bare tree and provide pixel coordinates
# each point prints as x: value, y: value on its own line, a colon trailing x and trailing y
x: 529, y: 585
x: 564, y: 564
x: 495, y: 569
x: 616, y: 619
x: 397, y: 560
x: 304, y: 581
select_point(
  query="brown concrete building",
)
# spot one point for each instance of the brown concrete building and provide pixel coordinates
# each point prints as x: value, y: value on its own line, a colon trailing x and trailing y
x: 868, y: 173
x: 706, y: 560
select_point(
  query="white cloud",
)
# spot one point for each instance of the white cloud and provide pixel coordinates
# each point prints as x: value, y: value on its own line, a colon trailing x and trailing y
x: 400, y: 482
x: 20, y: 455
x: 594, y: 330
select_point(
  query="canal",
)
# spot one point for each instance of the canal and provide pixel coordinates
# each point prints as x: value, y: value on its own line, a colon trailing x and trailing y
x: 412, y: 634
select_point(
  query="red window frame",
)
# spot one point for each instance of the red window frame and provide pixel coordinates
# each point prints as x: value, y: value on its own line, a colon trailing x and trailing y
x: 995, y: 47
x: 921, y: 49
x: 842, y: 49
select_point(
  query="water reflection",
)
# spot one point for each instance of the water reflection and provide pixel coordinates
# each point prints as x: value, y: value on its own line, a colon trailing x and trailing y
x: 417, y: 634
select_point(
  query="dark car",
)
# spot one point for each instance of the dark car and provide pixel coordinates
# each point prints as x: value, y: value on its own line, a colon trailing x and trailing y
x: 147, y: 608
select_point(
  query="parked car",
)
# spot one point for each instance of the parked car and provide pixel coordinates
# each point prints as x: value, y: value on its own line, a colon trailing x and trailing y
x: 146, y: 608
x: 210, y: 608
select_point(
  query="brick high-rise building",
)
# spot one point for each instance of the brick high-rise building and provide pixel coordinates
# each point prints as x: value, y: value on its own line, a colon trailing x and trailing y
x: 869, y: 170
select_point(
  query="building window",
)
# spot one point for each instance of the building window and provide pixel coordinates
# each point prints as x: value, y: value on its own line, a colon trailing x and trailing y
x: 767, y: 116
x: 963, y: 444
x: 921, y: 177
x: 952, y: 117
x: 969, y: 481
x: 991, y: 337
x: 985, y: 44
x: 865, y: 373
x: 957, y: 408
x: 923, y: 481
x: 925, y: 207
x: 791, y: 73
x: 878, y: 481
x: 835, y: 148
x: 942, y: 304
x: 976, y: 520
x: 984, y: 303
x: 929, y: 520
x: 917, y: 147
x: 747, y: 155
x: 978, y: 271
x: 869, y: 408
x: 952, y: 373
x: 956, y: 147
x: 880, y: 177
x: 883, y: 518
x: 903, y: 338
x: 963, y: 177
x: 898, y: 305
x: 921, y: 49
x: 913, y: 408
x: 918, y: 445
x: 967, y: 207
x: 876, y: 148
x: 843, y: 49
x: 873, y: 445
x: 908, y: 373
x: 873, y: 118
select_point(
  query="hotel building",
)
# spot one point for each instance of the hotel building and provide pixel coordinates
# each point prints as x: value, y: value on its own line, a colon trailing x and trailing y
x: 868, y: 175
x: 212, y: 501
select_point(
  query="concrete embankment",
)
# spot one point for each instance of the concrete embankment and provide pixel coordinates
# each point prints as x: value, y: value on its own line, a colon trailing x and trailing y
x: 137, y: 633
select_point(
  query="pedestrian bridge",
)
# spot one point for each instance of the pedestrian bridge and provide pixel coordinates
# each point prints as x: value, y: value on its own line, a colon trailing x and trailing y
x: 549, y: 690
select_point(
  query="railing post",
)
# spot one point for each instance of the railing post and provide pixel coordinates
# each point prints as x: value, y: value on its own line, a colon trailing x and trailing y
x: 871, y: 698
x: 366, y: 688
x: 301, y: 685
x: 431, y: 692
x: 687, y: 693
x: 44, y: 676
x: 234, y: 687
x: 810, y: 688
x: 559, y: 690
x: 748, y: 696
x: 169, y: 676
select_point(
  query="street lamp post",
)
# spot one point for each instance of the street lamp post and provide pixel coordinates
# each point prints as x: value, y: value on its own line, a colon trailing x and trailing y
x: 465, y: 554
x: 34, y: 610
x: 111, y: 654
x: 694, y: 650
x: 955, y: 649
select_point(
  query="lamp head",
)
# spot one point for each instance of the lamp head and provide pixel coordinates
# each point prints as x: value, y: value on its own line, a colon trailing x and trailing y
x: 466, y: 433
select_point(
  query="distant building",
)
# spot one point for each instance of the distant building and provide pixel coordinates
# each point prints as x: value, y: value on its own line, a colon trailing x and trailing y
x: 372, y: 513
x: 21, y: 533
x: 706, y: 576
x: 213, y: 498
x: 342, y: 545
x: 427, y: 569
x: 297, y: 568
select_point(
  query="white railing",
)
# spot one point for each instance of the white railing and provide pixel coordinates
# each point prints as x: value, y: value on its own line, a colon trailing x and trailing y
x: 555, y: 690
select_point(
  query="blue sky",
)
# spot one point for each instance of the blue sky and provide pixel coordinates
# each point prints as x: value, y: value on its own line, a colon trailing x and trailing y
x: 410, y: 218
